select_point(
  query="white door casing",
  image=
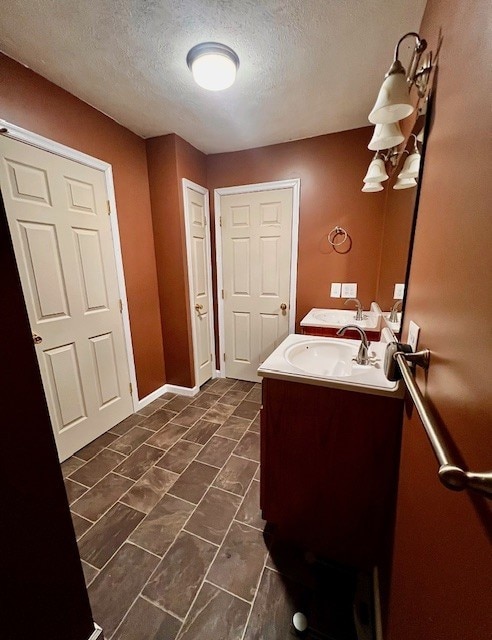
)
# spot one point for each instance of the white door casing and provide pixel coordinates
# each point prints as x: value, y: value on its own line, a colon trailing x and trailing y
x: 57, y: 210
x: 257, y: 234
x: 197, y: 226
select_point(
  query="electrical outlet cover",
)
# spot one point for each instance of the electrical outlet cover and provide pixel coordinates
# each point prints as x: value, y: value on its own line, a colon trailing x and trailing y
x: 399, y: 292
x: 349, y: 290
x: 336, y: 289
x: 413, y: 335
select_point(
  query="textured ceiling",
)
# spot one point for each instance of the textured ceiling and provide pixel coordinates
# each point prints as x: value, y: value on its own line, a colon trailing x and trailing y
x: 308, y: 67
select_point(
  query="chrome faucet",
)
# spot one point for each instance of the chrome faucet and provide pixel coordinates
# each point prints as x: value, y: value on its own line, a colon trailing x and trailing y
x: 363, y: 354
x: 359, y: 315
x: 393, y: 317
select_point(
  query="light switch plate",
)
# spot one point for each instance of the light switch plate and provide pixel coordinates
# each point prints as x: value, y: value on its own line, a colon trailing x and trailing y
x: 413, y: 335
x: 349, y: 290
x: 336, y: 289
x: 399, y: 292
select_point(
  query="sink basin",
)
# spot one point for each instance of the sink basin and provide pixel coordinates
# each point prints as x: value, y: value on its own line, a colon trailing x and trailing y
x: 338, y: 318
x: 329, y: 362
x: 322, y: 358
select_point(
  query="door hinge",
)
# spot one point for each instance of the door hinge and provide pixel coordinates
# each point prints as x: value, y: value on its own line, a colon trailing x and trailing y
x: 222, y: 294
x: 220, y: 221
x: 108, y: 207
x: 121, y: 305
x: 224, y: 357
x: 131, y: 388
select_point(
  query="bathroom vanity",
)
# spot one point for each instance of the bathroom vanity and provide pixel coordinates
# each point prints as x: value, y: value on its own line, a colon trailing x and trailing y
x: 330, y: 440
x: 326, y: 322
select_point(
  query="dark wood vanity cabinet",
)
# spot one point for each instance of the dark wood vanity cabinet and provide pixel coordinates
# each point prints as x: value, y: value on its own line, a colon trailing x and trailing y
x: 329, y: 468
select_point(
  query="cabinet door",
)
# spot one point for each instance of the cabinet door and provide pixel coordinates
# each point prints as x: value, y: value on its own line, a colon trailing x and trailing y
x: 329, y: 468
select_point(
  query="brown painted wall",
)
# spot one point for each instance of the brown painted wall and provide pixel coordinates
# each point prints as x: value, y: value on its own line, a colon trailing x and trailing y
x: 30, y: 101
x: 170, y: 158
x: 41, y: 579
x: 442, y: 567
x: 331, y: 168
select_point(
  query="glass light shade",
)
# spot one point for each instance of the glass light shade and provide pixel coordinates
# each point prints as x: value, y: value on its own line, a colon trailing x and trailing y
x: 410, y: 167
x: 393, y: 101
x: 213, y: 65
x: 376, y: 172
x: 386, y: 136
x: 404, y: 183
x: 370, y: 187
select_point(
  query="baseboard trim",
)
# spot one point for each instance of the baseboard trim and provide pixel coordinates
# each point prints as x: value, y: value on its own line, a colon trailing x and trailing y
x: 167, y: 388
x: 218, y: 374
x: 151, y: 397
x: 377, y: 604
x: 182, y: 391
x: 97, y: 634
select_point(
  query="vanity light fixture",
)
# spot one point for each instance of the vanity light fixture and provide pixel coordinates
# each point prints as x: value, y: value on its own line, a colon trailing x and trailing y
x: 393, y: 102
x: 376, y: 171
x: 213, y: 65
x: 386, y: 136
x: 411, y: 166
x: 370, y: 187
x: 404, y: 183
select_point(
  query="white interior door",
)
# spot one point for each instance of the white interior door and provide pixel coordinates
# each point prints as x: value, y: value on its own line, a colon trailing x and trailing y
x: 256, y: 265
x: 199, y: 271
x: 58, y: 218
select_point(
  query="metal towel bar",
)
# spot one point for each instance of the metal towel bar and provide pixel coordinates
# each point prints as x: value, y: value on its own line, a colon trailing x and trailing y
x: 451, y: 476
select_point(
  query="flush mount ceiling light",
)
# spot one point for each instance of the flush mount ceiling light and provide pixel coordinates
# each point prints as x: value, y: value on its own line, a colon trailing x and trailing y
x: 213, y: 65
x: 393, y: 102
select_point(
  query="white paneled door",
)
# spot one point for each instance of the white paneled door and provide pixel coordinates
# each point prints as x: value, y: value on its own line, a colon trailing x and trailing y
x: 199, y: 266
x: 57, y: 211
x: 256, y: 264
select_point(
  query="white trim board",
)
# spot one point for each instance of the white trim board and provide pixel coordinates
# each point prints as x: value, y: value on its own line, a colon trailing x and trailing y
x: 295, y: 185
x: 188, y: 392
x: 188, y: 184
x: 35, y: 140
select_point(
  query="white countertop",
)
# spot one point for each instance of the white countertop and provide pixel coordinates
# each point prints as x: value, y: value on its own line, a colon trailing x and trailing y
x: 365, y: 379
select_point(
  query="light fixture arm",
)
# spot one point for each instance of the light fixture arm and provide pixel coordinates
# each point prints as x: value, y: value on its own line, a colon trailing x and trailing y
x: 397, y: 67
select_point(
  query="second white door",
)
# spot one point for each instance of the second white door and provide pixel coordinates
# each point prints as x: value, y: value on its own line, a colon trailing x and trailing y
x: 200, y: 279
x: 256, y: 265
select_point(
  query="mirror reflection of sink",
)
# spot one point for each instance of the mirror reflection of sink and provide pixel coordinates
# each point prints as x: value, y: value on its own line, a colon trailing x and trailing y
x: 394, y: 326
x: 340, y: 317
x: 322, y: 358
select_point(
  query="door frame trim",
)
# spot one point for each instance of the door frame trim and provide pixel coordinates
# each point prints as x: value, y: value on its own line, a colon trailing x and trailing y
x: 295, y: 185
x: 188, y: 184
x: 46, y: 144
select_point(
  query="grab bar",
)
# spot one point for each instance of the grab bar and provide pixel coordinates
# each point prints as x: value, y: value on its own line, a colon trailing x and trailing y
x: 450, y: 475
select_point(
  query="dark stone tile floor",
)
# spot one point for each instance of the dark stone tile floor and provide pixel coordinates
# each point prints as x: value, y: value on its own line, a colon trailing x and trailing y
x: 165, y: 507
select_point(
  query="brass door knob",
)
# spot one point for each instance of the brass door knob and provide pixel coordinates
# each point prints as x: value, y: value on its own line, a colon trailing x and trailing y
x: 283, y: 306
x: 36, y: 339
x: 198, y: 307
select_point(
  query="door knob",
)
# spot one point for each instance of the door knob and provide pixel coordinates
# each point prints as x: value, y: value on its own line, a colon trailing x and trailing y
x: 283, y: 306
x: 36, y: 339
x: 198, y: 307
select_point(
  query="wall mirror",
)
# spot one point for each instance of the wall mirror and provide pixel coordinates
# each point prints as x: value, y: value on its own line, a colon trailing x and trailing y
x: 401, y: 207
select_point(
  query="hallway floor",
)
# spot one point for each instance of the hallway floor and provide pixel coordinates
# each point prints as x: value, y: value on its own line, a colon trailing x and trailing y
x: 166, y: 511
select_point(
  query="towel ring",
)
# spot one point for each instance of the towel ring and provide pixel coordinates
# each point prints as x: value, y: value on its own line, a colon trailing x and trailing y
x: 337, y: 231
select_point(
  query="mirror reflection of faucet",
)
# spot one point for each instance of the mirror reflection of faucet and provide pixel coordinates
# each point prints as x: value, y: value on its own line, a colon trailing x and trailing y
x: 393, y: 317
x: 359, y: 315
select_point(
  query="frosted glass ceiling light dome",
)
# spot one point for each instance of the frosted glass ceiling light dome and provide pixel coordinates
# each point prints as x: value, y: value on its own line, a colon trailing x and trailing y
x: 213, y: 65
x: 386, y: 136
